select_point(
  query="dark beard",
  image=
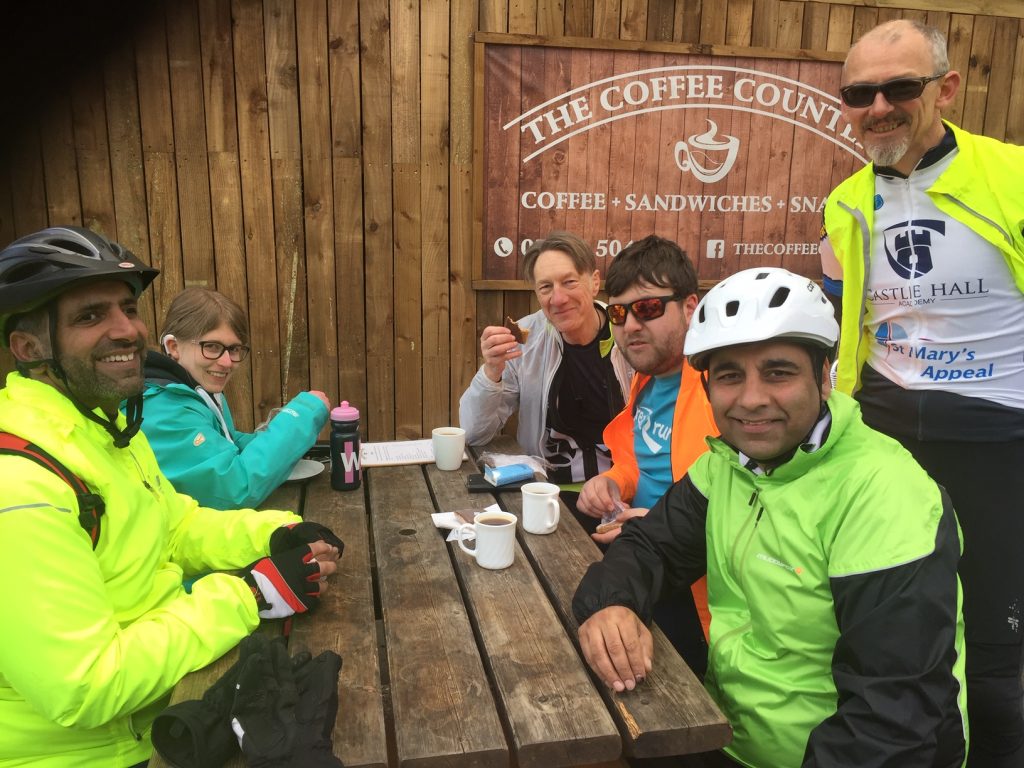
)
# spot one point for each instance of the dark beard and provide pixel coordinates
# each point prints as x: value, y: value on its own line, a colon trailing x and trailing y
x: 94, y: 390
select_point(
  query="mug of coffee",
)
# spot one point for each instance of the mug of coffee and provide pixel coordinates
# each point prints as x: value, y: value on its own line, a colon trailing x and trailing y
x: 449, y: 444
x: 495, y: 539
x: 540, y: 507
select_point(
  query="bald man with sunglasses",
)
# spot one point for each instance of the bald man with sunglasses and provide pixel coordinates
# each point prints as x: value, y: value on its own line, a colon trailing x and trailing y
x: 923, y: 253
x: 652, y: 292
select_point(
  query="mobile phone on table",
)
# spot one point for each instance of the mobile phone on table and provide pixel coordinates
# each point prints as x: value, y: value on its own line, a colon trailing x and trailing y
x: 477, y: 484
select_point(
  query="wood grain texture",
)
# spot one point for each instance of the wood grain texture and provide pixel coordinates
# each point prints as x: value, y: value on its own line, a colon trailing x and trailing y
x: 92, y: 152
x: 158, y: 161
x: 251, y: 104
x: 1011, y: 8
x: 407, y: 201
x: 192, y: 168
x: 378, y: 212
x: 1015, y: 106
x: 670, y: 713
x: 287, y: 186
x: 347, y: 186
x: 345, y: 623
x: 127, y: 177
x: 225, y: 182
x: 435, y: 237
x: 440, y: 695
x: 314, y: 161
x: 463, y: 255
x: 553, y: 712
x: 311, y: 22
x: 63, y: 200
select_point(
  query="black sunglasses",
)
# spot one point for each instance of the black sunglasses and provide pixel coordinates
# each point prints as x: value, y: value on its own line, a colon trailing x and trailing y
x: 647, y: 308
x: 901, y: 89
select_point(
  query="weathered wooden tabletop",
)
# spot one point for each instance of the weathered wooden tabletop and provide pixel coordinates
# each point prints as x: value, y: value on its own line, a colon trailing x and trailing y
x: 448, y: 664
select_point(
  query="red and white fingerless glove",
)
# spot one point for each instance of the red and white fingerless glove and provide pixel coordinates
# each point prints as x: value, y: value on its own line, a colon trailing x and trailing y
x: 285, y: 583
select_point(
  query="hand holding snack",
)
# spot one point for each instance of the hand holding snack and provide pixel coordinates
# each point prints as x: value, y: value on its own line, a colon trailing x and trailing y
x: 497, y: 346
x: 599, y: 497
x: 519, y: 334
x: 607, y: 531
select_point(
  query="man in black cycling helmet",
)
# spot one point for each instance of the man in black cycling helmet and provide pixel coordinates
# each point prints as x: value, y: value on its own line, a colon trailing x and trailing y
x: 45, y: 272
x: 103, y: 638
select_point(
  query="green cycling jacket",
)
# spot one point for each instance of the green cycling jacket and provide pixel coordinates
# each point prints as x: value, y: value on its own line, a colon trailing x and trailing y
x: 836, y: 631
x: 95, y: 640
x: 981, y: 189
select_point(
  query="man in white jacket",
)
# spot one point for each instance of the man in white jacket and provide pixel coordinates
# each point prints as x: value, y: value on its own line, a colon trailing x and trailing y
x: 567, y: 379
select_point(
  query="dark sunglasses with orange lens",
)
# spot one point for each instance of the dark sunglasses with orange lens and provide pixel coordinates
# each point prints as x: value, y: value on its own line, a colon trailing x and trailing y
x: 647, y: 308
x: 861, y: 95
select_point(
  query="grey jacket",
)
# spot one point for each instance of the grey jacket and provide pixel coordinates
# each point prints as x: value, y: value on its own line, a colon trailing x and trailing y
x: 486, y: 405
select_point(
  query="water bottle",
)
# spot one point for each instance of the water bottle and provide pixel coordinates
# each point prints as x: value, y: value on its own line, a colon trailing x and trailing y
x: 345, y: 473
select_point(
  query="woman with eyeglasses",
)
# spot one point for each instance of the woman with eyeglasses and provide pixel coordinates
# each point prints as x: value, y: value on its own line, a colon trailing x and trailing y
x: 187, y: 419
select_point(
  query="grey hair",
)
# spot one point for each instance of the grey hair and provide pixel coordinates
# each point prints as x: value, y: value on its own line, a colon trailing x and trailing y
x: 892, y: 32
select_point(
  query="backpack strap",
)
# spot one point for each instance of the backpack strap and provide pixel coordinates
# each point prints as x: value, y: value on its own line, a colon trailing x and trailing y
x: 90, y: 505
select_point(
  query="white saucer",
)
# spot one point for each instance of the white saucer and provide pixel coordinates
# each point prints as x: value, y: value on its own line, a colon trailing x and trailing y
x: 304, y: 469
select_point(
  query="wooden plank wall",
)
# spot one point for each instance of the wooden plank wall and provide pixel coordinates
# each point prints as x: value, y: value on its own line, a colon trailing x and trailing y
x: 313, y: 159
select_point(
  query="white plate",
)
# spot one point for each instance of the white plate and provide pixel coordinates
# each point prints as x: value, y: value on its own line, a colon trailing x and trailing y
x: 305, y: 469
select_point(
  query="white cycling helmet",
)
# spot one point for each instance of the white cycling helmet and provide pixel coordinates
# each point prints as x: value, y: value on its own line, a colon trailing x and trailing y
x: 757, y: 305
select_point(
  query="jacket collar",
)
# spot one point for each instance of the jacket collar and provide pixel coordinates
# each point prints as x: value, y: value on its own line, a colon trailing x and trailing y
x: 840, y: 412
x: 162, y: 370
x: 946, y: 145
x: 44, y: 403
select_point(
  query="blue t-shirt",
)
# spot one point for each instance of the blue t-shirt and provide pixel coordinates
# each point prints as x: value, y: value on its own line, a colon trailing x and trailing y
x: 652, y: 437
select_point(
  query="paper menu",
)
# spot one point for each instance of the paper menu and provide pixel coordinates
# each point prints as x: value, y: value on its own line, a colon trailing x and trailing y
x: 392, y: 453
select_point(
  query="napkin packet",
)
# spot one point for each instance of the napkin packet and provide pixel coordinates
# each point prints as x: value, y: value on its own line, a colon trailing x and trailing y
x: 538, y: 466
x: 510, y: 473
x: 452, y: 520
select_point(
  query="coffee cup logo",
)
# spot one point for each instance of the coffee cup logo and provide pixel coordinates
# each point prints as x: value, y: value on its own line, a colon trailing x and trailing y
x: 702, y: 154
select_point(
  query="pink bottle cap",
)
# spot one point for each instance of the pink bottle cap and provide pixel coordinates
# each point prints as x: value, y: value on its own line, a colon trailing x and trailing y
x: 344, y: 412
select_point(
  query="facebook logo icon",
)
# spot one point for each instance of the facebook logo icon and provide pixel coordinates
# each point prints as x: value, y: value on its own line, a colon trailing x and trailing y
x: 716, y: 249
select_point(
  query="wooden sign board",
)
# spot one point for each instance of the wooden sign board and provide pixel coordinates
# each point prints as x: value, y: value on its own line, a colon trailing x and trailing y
x: 732, y: 156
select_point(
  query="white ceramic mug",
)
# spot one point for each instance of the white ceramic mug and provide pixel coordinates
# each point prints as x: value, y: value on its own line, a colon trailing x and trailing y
x: 495, y: 539
x: 449, y: 445
x: 540, y: 507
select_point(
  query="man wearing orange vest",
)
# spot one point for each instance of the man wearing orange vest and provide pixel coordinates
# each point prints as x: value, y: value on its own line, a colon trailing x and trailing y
x: 652, y: 293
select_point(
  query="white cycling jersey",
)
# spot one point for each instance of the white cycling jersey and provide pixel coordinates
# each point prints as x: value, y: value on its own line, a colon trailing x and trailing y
x: 941, y: 302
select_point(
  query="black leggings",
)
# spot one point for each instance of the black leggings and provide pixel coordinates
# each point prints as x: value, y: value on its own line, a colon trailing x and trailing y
x: 986, y: 483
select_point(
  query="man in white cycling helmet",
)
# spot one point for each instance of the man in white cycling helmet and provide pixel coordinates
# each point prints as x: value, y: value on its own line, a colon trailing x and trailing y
x: 836, y: 634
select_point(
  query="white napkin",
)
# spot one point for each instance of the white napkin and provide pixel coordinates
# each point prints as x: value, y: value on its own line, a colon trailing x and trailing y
x: 451, y: 522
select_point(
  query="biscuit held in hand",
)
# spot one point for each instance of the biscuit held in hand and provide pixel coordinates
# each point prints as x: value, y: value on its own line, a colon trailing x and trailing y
x: 520, y: 334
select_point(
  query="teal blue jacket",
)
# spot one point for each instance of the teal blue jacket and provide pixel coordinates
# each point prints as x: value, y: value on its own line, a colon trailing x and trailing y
x: 202, y: 461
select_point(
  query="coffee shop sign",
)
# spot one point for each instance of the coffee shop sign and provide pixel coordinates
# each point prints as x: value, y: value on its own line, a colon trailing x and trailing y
x: 685, y: 87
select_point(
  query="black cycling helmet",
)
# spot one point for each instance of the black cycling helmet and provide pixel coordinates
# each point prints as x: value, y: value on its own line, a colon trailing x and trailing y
x: 41, y: 266
x: 38, y: 268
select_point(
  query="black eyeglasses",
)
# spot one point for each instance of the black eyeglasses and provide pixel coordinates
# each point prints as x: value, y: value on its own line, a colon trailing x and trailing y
x: 647, y: 308
x: 212, y: 350
x: 901, y: 89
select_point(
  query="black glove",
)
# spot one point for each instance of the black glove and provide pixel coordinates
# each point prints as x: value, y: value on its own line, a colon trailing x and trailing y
x: 297, y: 534
x: 317, y: 708
x: 284, y: 583
x: 197, y: 734
x: 263, y: 712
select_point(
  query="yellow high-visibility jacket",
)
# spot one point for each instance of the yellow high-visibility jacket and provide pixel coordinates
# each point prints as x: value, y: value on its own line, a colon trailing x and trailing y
x: 94, y: 640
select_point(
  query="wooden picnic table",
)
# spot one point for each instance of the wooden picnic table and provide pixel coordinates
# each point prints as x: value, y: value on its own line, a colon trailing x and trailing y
x: 448, y: 664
